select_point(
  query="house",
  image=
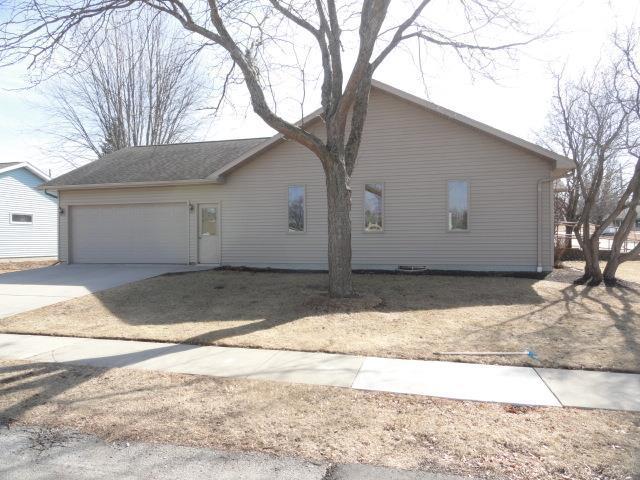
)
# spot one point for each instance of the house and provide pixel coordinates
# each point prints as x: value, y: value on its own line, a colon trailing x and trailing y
x: 634, y: 234
x: 432, y: 189
x: 618, y: 221
x: 28, y: 216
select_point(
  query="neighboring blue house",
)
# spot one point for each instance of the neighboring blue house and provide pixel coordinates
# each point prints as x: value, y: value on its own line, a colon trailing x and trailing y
x: 28, y: 216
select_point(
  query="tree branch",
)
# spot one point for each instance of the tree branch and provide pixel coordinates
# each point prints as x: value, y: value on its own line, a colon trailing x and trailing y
x: 256, y: 92
x: 399, y: 34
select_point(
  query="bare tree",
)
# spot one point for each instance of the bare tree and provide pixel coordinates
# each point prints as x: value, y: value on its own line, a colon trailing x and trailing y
x: 568, y: 132
x: 136, y: 85
x: 588, y: 124
x: 258, y: 36
x: 605, y: 125
x: 565, y: 133
x: 628, y: 93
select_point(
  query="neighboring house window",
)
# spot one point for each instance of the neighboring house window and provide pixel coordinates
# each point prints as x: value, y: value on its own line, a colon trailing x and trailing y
x: 22, y: 218
x: 458, y: 205
x: 373, y: 207
x: 296, y: 207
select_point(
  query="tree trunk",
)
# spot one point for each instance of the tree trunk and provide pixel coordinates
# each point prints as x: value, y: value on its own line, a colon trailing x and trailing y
x: 611, y: 269
x: 590, y: 245
x: 339, y: 223
x: 614, y: 258
x: 592, y: 272
x: 619, y: 239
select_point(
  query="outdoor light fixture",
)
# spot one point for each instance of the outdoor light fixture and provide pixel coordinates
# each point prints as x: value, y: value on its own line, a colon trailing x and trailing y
x: 190, y: 207
x: 61, y: 210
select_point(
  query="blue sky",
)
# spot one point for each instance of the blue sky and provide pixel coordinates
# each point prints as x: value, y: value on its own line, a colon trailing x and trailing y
x: 517, y: 102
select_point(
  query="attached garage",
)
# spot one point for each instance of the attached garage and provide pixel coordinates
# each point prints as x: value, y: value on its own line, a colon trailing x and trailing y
x: 132, y: 233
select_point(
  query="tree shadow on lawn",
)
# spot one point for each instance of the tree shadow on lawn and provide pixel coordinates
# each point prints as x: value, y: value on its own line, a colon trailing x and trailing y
x: 265, y: 300
x: 50, y: 380
x: 624, y: 321
x: 262, y: 300
x: 292, y: 311
x: 564, y: 333
x: 47, y: 379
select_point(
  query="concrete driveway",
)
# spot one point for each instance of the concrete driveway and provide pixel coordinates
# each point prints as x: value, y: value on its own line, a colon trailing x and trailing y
x: 31, y: 289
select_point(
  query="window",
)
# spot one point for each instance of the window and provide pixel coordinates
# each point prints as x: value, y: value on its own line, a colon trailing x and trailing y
x: 208, y: 220
x: 373, y: 207
x: 296, y: 209
x: 22, y: 218
x: 458, y: 205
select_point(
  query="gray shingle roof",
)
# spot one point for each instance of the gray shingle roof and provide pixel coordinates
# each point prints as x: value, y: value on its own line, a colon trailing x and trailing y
x: 158, y: 163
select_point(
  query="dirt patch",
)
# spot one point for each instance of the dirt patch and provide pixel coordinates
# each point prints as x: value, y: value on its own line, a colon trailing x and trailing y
x: 324, y: 423
x: 322, y: 302
x: 46, y: 439
x: 19, y: 265
x: 401, y: 316
x: 628, y: 273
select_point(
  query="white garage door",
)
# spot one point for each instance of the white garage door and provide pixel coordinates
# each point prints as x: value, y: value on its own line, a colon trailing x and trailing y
x: 140, y: 233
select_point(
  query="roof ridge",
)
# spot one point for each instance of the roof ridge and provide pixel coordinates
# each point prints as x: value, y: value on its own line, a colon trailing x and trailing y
x: 195, y: 143
x: 10, y: 166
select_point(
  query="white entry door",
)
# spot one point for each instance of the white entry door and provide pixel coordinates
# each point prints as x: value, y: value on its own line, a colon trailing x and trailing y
x: 208, y: 233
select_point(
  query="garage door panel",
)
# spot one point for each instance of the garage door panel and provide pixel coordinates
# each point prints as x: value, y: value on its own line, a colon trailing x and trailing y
x: 135, y: 233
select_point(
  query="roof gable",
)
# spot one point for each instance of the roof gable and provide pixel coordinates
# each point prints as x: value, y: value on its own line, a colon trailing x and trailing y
x: 10, y: 166
x: 560, y: 163
x: 209, y: 162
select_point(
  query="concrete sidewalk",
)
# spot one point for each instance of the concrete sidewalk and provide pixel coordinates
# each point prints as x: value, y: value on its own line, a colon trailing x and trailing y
x: 463, y: 381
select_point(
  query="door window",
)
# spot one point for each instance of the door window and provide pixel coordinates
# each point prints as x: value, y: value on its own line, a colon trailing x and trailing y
x: 208, y: 220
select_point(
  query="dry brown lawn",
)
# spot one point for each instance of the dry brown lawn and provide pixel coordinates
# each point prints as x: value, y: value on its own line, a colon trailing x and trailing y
x: 18, y: 265
x: 629, y: 271
x: 397, y: 316
x: 324, y: 423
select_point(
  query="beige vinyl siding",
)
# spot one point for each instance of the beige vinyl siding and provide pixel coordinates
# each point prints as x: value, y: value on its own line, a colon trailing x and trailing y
x: 414, y: 153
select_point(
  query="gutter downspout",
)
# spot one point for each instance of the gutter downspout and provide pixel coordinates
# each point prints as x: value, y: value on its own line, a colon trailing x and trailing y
x: 539, y: 223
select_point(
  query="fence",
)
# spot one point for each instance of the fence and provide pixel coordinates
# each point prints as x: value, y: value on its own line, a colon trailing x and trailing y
x: 568, y: 248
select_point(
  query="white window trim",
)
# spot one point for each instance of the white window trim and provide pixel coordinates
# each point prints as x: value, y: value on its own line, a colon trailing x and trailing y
x: 11, y: 214
x: 458, y: 230
x: 364, y: 208
x: 304, y: 210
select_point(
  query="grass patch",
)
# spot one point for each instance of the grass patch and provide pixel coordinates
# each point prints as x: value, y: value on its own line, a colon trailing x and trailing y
x: 19, y: 265
x: 396, y: 316
x: 324, y: 423
x: 628, y: 271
